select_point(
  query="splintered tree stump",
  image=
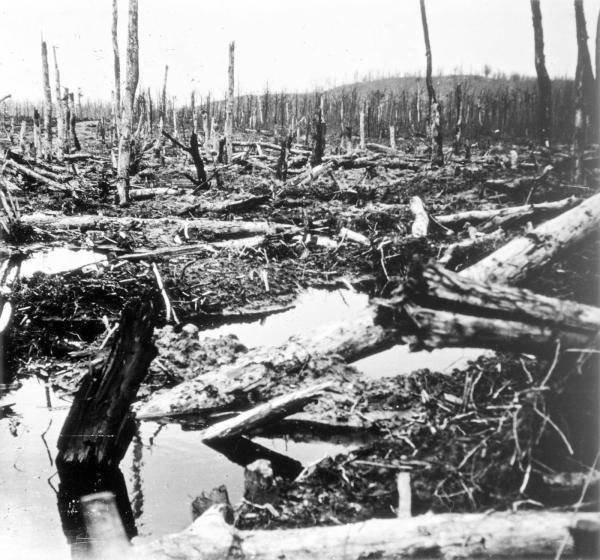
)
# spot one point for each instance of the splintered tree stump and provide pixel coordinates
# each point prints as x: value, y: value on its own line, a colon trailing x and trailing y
x: 99, y: 426
x: 259, y: 483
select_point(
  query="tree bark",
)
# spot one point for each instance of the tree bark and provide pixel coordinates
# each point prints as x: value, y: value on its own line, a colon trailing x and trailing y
x: 229, y: 105
x: 516, y: 260
x: 99, y: 427
x: 60, y: 112
x: 117, y: 67
x: 127, y: 118
x: 584, y: 67
x: 473, y: 535
x: 459, y: 121
x: 437, y: 154
x: 47, y: 142
x: 544, y: 85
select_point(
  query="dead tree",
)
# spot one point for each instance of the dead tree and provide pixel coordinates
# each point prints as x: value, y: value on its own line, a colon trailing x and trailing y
x: 437, y: 154
x: 37, y: 141
x: 60, y: 112
x: 201, y: 180
x: 47, y: 142
x: 73, y: 122
x: 319, y: 137
x: 584, y: 67
x: 117, y: 67
x: 459, y: 120
x: 162, y: 115
x: 597, y: 124
x: 127, y: 117
x: 544, y: 85
x: 229, y: 105
x: 99, y: 427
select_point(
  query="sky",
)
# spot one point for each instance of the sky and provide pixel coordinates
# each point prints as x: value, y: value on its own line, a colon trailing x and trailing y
x: 291, y: 45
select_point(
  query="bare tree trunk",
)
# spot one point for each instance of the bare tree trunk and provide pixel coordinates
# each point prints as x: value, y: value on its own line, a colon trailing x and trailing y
x: 73, y: 122
x: 126, y: 121
x: 229, y: 107
x: 544, y: 86
x: 437, y: 154
x: 459, y: 120
x: 597, y: 123
x: 117, y: 67
x: 162, y: 115
x: 47, y: 141
x: 60, y: 112
x: 37, y: 143
x: 584, y: 65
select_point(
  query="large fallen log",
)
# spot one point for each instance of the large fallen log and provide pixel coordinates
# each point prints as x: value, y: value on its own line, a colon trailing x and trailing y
x: 436, y: 307
x: 202, y: 225
x: 516, y: 260
x: 261, y: 368
x: 476, y: 535
x: 501, y: 215
x: 225, y: 206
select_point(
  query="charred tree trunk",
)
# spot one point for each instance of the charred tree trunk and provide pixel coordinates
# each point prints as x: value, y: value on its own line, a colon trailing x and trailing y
x: 319, y: 138
x: 162, y: 115
x: 117, y: 67
x: 459, y: 121
x: 99, y: 426
x: 282, y: 162
x: 127, y: 119
x: 47, y: 142
x: 544, y: 86
x: 229, y: 105
x: 437, y: 154
x: 72, y: 123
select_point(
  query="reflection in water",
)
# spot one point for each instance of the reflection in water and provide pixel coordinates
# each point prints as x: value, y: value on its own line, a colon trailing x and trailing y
x: 76, y: 482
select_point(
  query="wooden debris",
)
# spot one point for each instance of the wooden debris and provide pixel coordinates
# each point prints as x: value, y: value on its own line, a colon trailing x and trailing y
x: 259, y: 484
x: 260, y: 415
x: 469, y: 535
x: 99, y: 427
x: 517, y: 259
x: 438, y: 308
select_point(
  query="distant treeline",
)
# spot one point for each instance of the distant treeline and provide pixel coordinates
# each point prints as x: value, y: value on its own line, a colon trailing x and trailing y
x: 498, y: 105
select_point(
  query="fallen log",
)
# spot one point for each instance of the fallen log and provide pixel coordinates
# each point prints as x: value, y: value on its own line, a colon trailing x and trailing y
x: 142, y: 194
x: 516, y: 260
x: 225, y: 206
x: 475, y: 535
x: 32, y: 174
x: 519, y: 184
x: 436, y: 307
x: 459, y: 251
x: 99, y: 426
x: 260, y: 368
x: 202, y: 225
x: 271, y: 411
x: 499, y: 216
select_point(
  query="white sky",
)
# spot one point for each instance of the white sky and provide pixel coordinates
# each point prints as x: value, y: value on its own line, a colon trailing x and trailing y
x: 292, y: 45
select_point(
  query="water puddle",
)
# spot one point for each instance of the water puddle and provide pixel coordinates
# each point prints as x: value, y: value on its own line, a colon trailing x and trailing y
x: 316, y: 307
x: 60, y: 259
x: 164, y: 469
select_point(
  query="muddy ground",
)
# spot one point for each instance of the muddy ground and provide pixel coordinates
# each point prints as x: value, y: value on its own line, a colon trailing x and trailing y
x: 481, y: 438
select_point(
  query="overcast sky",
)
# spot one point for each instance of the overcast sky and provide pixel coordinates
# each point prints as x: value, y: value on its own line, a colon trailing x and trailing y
x: 292, y: 45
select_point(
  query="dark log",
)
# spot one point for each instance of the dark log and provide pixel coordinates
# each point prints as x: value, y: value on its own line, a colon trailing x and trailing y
x: 99, y: 426
x: 436, y: 307
x: 544, y: 85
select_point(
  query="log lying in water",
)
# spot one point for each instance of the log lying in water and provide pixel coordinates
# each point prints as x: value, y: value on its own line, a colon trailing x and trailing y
x: 475, y: 535
x: 202, y: 225
x: 99, y: 426
x: 436, y: 307
x: 257, y: 369
x: 516, y: 260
